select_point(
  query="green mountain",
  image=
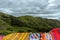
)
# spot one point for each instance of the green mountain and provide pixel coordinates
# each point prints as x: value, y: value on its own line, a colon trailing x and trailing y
x: 9, y: 23
x: 38, y: 23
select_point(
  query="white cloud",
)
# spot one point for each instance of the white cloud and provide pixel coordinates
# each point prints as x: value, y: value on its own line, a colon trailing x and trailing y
x: 20, y: 7
x: 6, y: 10
x: 51, y: 3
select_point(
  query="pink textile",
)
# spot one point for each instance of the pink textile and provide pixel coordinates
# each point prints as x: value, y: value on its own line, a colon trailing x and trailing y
x: 1, y: 37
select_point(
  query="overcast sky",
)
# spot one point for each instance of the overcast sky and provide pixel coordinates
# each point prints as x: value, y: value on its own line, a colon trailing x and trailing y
x: 44, y: 8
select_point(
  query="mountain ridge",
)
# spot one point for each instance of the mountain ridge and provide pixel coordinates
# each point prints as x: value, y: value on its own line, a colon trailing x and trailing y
x: 27, y: 23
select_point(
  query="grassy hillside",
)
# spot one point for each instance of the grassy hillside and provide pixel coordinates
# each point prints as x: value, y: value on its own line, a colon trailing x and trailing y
x: 5, y: 28
x: 26, y: 23
x: 38, y: 23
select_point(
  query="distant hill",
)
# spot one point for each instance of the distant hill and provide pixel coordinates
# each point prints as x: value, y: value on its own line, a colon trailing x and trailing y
x: 26, y: 23
x: 38, y: 23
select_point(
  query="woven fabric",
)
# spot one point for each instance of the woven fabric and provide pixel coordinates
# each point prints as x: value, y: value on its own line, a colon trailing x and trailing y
x: 52, y: 35
x: 34, y: 36
x: 1, y: 37
x: 17, y: 36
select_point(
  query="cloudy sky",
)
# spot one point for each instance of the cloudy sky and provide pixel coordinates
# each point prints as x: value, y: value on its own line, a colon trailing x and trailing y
x: 44, y: 8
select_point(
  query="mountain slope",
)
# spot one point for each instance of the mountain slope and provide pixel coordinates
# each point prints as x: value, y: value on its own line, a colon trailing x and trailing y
x: 27, y: 23
x: 4, y: 25
x: 38, y: 23
x: 7, y: 18
x: 5, y: 28
x: 13, y: 22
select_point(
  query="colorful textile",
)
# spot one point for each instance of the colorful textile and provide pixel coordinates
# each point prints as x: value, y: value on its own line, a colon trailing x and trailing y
x: 1, y: 37
x: 17, y: 36
x: 34, y: 36
x: 48, y: 36
x: 43, y: 36
x: 55, y: 33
